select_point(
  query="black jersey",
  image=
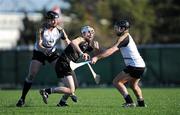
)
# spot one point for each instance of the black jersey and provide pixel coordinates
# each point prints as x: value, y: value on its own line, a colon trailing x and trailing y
x: 62, y: 65
x: 73, y: 55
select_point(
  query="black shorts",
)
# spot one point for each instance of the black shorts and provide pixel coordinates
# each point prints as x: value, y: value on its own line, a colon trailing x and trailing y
x: 63, y: 67
x: 135, y: 72
x: 41, y: 57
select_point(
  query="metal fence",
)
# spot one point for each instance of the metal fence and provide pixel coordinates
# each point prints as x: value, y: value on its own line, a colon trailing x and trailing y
x: 162, y: 68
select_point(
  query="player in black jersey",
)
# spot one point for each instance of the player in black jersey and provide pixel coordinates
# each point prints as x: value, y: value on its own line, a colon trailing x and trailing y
x: 79, y: 47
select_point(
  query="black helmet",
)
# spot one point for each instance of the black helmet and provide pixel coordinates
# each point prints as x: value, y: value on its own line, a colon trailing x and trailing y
x: 52, y: 15
x: 123, y: 23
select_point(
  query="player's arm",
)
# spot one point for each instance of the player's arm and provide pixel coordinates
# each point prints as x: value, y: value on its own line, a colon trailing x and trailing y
x: 96, y: 48
x: 64, y: 36
x: 39, y: 40
x: 75, y: 43
x: 110, y: 50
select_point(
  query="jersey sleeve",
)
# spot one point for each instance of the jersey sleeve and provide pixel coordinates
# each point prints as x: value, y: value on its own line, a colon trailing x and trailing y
x: 62, y: 36
x: 124, y: 43
x: 60, y: 29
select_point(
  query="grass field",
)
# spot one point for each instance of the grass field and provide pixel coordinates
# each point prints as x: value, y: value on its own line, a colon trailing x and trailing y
x: 93, y: 101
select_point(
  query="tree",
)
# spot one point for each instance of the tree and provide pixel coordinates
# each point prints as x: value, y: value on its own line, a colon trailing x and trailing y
x: 27, y: 35
x: 167, y: 22
x: 103, y: 13
x: 140, y: 15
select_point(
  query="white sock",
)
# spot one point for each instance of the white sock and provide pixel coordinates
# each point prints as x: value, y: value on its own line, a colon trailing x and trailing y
x: 140, y: 99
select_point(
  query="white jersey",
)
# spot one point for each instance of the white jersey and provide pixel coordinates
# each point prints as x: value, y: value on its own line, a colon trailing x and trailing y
x: 131, y: 55
x: 49, y: 39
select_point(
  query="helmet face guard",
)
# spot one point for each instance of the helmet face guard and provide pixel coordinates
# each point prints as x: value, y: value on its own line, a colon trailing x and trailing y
x: 87, y: 29
x: 52, y: 15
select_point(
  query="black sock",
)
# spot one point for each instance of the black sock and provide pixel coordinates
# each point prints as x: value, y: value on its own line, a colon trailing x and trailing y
x: 128, y: 99
x: 27, y: 86
x: 48, y: 90
x: 65, y: 97
x: 141, y: 103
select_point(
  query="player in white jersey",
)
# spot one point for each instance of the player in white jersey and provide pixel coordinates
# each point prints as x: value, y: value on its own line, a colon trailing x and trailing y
x: 44, y: 50
x: 134, y: 64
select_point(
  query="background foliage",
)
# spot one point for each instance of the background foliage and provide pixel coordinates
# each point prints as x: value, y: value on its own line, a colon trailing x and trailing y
x: 151, y: 21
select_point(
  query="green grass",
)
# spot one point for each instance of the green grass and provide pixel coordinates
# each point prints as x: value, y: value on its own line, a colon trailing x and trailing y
x: 93, y: 101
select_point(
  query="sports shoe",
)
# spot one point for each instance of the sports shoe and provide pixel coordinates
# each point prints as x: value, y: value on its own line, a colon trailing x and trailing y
x: 62, y: 104
x: 141, y: 104
x: 74, y: 98
x: 20, y: 103
x: 137, y: 105
x: 127, y: 105
x: 44, y: 95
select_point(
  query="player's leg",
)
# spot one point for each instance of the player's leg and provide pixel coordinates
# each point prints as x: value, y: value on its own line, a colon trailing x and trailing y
x: 137, y: 91
x: 63, y: 100
x: 68, y: 81
x: 119, y: 82
x: 61, y: 67
x: 33, y: 70
x: 65, y: 96
x: 73, y: 97
x: 75, y: 80
x: 53, y: 60
x: 53, y: 63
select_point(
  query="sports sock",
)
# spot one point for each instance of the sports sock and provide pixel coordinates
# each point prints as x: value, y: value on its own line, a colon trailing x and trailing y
x: 26, y: 87
x: 48, y: 90
x: 65, y: 97
x: 128, y: 99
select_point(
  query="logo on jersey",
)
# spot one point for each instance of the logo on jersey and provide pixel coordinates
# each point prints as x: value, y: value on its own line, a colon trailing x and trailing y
x: 50, y: 42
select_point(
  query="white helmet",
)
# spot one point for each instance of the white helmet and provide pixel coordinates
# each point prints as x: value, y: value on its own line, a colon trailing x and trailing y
x: 87, y: 29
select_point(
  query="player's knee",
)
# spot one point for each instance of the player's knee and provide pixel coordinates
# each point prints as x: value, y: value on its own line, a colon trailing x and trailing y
x: 134, y: 86
x: 117, y: 83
